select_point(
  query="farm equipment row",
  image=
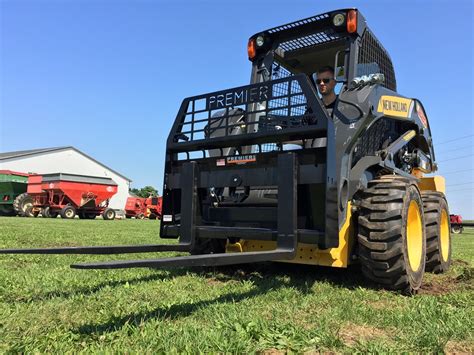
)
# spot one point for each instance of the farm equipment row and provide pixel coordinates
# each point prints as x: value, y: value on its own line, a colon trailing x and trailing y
x: 67, y: 195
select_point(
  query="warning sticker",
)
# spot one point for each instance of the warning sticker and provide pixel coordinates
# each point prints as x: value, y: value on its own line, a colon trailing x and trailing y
x: 421, y: 115
x: 242, y: 159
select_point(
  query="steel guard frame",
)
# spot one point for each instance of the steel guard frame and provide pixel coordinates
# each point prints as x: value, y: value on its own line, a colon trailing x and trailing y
x: 189, y: 176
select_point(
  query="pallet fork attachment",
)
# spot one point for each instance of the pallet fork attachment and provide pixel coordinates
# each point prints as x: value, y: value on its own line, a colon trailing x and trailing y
x: 101, y: 250
x: 286, y: 239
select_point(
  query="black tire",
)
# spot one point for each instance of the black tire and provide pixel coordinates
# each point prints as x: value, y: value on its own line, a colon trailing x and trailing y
x: 456, y: 229
x: 23, y: 204
x: 53, y: 214
x: 208, y: 246
x: 7, y: 210
x: 438, y: 236
x: 68, y: 212
x: 140, y: 216
x: 391, y: 239
x: 86, y: 215
x: 108, y: 214
x: 152, y: 216
x: 46, y: 212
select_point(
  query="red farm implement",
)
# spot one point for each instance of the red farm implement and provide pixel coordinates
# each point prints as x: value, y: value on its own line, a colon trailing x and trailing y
x: 69, y: 194
x: 154, y: 207
x: 140, y: 207
x: 136, y: 207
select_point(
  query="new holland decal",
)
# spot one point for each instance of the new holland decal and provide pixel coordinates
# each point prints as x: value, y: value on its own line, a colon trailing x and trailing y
x: 395, y: 106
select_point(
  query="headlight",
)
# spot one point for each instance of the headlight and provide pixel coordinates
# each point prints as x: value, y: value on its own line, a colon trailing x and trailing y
x: 259, y: 41
x: 338, y: 19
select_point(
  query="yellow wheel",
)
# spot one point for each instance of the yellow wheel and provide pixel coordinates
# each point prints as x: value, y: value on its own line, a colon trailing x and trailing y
x: 438, y: 232
x: 414, y: 235
x: 391, y: 239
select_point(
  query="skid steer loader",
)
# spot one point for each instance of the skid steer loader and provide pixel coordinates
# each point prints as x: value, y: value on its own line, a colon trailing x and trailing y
x: 264, y: 172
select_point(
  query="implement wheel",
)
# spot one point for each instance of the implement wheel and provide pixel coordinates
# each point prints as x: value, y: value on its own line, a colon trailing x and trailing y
x: 45, y: 213
x: 68, y: 212
x: 456, y: 229
x: 108, y: 214
x: 49, y: 213
x: 438, y: 236
x: 23, y: 205
x: 392, y: 244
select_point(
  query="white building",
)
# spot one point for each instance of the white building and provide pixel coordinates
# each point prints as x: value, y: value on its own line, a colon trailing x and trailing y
x: 65, y: 160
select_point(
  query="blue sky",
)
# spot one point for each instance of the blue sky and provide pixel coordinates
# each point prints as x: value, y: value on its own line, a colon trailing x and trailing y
x: 108, y: 76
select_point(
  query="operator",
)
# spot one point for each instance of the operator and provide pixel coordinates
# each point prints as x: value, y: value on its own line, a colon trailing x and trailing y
x: 326, y: 83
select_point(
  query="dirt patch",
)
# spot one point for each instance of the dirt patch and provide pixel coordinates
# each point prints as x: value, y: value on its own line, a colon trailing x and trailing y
x: 441, y: 285
x: 459, y: 347
x: 460, y: 262
x: 350, y: 334
x: 272, y: 352
x: 466, y: 274
x: 378, y: 304
x: 214, y: 281
x: 384, y: 304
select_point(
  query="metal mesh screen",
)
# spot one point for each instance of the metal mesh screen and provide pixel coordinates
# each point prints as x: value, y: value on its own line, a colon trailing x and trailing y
x: 372, y: 140
x: 298, y: 23
x: 309, y: 40
x: 282, y: 105
x: 288, y: 101
x: 374, y: 59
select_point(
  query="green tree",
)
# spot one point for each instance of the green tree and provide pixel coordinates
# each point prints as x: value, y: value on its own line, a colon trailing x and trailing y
x: 147, y: 191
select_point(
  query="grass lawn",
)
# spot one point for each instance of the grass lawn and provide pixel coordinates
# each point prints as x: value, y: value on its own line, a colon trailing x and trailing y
x: 47, y: 307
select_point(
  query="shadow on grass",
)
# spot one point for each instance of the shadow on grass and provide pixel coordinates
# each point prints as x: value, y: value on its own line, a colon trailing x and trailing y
x: 265, y: 277
x: 88, y: 291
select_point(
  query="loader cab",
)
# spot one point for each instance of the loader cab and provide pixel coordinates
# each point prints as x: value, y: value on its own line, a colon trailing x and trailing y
x: 339, y: 39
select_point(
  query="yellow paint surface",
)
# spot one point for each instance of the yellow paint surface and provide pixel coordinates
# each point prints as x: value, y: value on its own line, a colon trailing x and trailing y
x: 309, y: 253
x: 434, y: 183
x: 409, y: 136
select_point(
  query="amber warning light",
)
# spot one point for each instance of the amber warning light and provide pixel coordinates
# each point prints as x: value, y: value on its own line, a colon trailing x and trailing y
x: 252, y: 49
x: 352, y: 21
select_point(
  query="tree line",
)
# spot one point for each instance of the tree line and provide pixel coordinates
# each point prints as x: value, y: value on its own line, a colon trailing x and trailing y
x: 147, y: 191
